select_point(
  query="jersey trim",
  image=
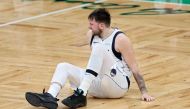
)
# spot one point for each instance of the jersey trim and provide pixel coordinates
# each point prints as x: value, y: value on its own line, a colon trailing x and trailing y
x: 92, y: 39
x: 91, y: 72
x: 117, y: 54
x: 128, y: 81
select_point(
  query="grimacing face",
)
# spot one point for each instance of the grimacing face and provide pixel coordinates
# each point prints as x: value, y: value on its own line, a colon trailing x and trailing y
x: 94, y: 26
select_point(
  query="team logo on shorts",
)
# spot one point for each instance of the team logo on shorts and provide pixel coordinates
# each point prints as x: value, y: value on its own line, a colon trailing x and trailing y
x: 113, y: 72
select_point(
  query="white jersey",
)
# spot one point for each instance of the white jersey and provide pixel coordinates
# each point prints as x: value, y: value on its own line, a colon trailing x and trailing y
x: 109, y: 44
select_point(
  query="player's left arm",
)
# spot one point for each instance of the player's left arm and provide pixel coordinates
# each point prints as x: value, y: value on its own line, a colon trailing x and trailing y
x: 124, y: 46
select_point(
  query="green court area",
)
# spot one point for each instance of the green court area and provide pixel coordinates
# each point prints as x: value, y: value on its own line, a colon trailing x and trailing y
x: 172, y: 1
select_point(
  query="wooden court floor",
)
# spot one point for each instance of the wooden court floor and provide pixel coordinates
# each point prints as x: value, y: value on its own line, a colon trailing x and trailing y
x: 36, y: 35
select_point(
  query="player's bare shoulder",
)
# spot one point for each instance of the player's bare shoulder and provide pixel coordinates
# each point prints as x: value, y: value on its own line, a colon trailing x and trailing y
x: 122, y: 38
x: 122, y: 42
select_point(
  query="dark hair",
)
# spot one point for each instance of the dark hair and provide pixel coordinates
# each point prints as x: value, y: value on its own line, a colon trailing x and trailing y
x: 101, y: 15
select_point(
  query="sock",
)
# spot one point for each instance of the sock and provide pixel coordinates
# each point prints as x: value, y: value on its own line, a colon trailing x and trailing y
x: 54, y: 89
x: 86, y: 82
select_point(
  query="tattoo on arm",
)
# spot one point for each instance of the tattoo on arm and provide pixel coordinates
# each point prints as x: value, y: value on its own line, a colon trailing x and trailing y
x: 140, y: 81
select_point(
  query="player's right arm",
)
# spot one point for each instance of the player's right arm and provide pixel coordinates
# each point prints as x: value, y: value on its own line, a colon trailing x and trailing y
x: 124, y: 46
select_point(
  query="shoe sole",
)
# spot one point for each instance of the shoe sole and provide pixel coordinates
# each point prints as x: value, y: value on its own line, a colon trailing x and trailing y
x: 73, y: 107
x: 37, y: 101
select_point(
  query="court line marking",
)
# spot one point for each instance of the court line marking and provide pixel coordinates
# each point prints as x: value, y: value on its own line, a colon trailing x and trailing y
x: 180, y: 4
x: 49, y: 13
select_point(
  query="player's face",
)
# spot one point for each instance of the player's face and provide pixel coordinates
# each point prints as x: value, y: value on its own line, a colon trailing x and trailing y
x: 94, y: 26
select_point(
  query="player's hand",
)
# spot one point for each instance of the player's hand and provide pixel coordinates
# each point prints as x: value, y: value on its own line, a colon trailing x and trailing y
x: 148, y: 98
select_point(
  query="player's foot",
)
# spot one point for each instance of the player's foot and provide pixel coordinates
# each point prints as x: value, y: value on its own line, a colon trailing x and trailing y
x: 76, y: 100
x: 42, y: 100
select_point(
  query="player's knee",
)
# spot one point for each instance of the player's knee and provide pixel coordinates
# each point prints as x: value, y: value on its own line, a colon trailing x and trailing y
x: 63, y: 65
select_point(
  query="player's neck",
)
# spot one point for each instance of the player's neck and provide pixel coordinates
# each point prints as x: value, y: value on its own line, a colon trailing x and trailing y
x: 106, y: 33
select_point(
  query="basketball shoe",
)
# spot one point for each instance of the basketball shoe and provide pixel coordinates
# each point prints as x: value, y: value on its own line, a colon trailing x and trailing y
x: 42, y: 100
x: 76, y: 100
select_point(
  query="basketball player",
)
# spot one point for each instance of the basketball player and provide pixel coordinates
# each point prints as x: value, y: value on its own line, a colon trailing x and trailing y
x: 107, y: 74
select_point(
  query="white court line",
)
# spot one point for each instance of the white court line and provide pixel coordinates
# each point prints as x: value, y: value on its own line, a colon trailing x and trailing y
x: 49, y: 13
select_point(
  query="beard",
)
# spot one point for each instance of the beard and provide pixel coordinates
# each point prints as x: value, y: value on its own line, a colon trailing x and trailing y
x: 98, y: 32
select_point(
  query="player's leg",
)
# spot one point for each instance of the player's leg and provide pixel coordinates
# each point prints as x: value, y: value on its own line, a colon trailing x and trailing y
x: 78, y: 99
x: 63, y: 72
